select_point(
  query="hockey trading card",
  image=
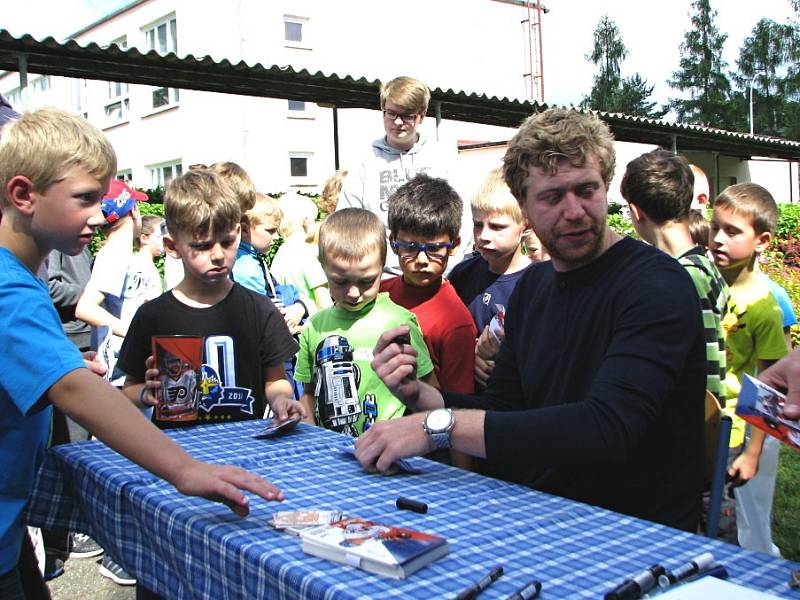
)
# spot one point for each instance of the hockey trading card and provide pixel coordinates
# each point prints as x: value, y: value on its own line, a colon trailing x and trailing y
x: 276, y: 427
x: 762, y: 406
x: 304, y: 518
x: 178, y: 358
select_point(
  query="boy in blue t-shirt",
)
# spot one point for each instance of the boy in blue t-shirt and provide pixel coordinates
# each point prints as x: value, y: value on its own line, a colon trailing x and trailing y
x: 54, y: 169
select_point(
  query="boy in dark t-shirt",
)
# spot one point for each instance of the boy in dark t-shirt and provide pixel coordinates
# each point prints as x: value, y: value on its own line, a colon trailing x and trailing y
x: 245, y: 339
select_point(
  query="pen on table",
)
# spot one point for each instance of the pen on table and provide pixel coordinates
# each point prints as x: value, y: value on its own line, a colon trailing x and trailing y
x: 476, y: 588
x: 527, y: 591
x: 699, y: 563
x: 638, y: 585
x: 403, y: 503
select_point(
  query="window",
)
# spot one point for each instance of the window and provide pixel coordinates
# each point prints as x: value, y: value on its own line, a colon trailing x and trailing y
x: 14, y: 98
x: 41, y: 85
x: 161, y: 175
x: 79, y: 102
x: 299, y: 164
x: 124, y: 175
x: 297, y: 105
x: 295, y: 31
x: 162, y: 36
x: 118, y: 104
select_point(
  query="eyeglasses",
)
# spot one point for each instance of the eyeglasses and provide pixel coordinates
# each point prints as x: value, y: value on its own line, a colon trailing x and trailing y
x: 434, y: 251
x: 393, y: 116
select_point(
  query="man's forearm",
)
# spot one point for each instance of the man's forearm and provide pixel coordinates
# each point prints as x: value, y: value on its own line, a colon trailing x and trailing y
x: 468, y: 433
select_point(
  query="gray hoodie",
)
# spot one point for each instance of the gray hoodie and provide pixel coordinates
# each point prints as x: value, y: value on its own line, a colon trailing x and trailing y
x: 385, y: 169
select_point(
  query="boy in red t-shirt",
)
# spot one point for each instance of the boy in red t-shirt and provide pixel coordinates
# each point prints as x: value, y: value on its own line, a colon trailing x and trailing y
x: 424, y: 223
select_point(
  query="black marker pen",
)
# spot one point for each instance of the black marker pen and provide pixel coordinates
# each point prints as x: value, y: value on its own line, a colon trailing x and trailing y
x: 638, y: 585
x: 409, y: 504
x: 475, y: 589
x: 527, y: 591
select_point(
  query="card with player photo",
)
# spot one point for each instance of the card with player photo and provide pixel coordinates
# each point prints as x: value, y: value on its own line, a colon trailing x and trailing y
x: 178, y: 358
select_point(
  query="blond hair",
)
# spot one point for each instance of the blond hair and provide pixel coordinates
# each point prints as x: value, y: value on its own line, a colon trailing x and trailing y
x: 753, y: 202
x: 408, y: 93
x: 351, y: 234
x: 200, y: 203
x: 546, y: 139
x: 264, y: 206
x: 493, y: 196
x: 44, y: 144
x: 296, y: 209
x: 330, y: 192
x: 239, y: 181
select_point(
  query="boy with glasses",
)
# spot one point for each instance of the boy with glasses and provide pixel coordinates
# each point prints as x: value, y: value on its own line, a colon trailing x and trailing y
x: 424, y: 221
x: 398, y: 156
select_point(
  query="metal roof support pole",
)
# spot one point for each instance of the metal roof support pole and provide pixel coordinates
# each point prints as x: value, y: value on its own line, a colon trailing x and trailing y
x: 716, y: 190
x: 22, y: 59
x: 336, y: 138
x: 791, y: 191
x: 437, y: 107
x: 674, y: 143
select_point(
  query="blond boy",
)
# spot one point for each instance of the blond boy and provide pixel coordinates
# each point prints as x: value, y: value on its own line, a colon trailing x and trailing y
x: 742, y: 226
x: 484, y: 282
x: 259, y: 230
x: 245, y: 340
x: 54, y: 169
x: 353, y: 251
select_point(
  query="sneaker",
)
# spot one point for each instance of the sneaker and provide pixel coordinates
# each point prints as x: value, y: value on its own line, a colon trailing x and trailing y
x: 53, y: 567
x: 115, y: 572
x: 84, y: 547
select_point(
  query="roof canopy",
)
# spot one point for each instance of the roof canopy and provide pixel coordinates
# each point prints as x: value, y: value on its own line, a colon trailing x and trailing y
x: 70, y: 59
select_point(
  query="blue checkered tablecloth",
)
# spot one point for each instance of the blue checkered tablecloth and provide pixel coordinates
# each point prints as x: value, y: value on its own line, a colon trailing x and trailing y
x: 182, y: 547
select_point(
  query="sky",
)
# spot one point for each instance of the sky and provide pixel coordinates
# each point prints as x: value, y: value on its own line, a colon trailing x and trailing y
x: 652, y: 33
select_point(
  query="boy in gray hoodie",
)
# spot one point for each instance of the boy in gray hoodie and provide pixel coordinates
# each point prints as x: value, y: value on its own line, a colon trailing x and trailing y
x: 398, y: 156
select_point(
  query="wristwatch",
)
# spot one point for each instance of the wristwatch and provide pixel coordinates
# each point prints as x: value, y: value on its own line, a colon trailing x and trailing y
x: 438, y: 424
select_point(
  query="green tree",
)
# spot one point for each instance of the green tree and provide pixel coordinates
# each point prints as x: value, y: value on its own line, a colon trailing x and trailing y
x: 607, y: 55
x: 702, y: 72
x: 764, y: 62
x: 632, y: 98
x: 610, y: 92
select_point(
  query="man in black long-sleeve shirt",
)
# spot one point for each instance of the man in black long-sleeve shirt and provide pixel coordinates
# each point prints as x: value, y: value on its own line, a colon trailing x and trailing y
x: 597, y: 393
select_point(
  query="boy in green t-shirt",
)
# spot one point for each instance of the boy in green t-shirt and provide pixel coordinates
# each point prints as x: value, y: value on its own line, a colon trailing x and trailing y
x: 744, y: 220
x: 336, y: 343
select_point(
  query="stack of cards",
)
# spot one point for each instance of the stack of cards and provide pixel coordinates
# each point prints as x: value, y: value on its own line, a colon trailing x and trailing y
x: 296, y: 521
x: 275, y: 427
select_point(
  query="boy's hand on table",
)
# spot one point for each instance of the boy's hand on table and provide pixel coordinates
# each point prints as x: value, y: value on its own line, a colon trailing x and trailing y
x: 285, y: 408
x: 222, y: 483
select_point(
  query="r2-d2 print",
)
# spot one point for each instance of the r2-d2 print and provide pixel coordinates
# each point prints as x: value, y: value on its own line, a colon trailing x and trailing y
x: 336, y: 381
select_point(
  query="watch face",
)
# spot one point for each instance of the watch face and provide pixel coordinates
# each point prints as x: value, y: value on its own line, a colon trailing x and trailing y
x: 438, y: 420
